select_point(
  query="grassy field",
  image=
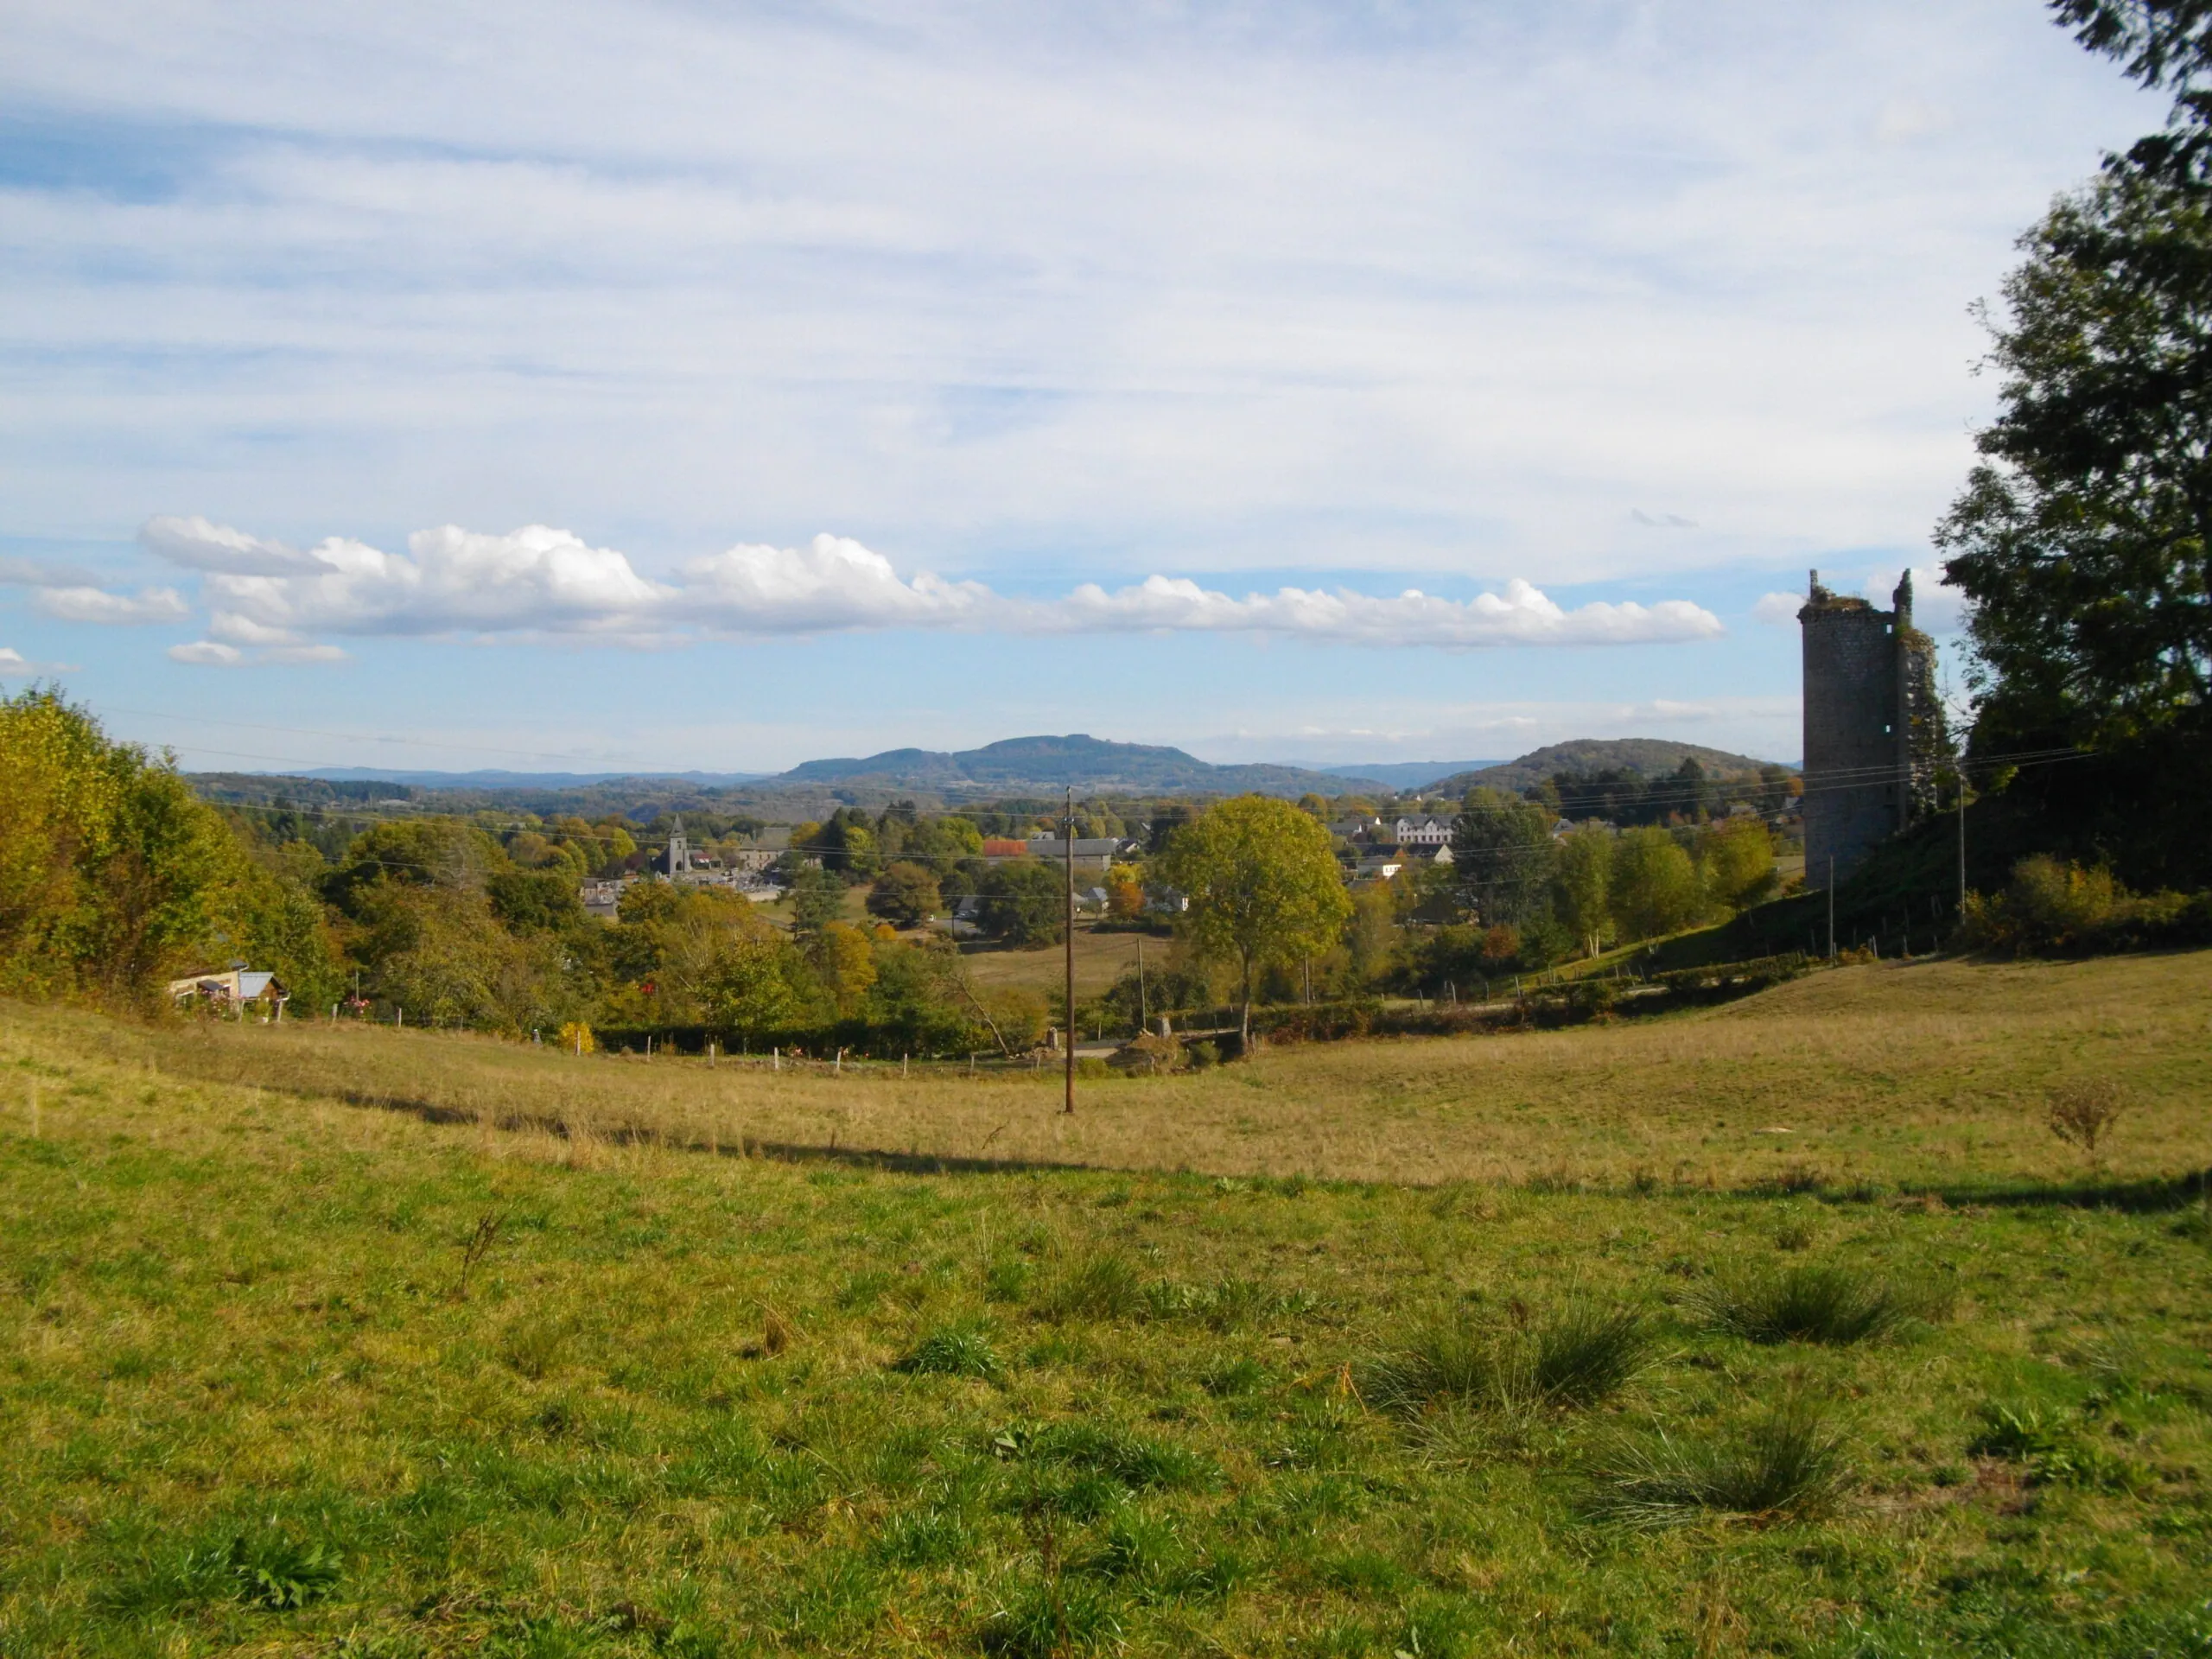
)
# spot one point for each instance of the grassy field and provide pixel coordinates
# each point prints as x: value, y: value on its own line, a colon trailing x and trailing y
x: 1100, y: 959
x: 361, y: 1343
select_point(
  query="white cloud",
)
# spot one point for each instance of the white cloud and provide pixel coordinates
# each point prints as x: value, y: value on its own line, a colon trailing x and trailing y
x: 95, y: 605
x: 206, y: 653
x: 1778, y: 610
x: 832, y: 582
x: 1521, y: 615
x: 539, y: 581
x: 13, y: 662
x: 198, y: 545
x: 450, y: 579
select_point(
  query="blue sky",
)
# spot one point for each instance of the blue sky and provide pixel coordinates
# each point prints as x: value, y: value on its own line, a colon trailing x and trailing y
x: 583, y: 386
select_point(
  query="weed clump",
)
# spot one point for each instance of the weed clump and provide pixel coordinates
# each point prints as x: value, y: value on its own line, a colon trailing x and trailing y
x: 1148, y: 1554
x: 2047, y: 1445
x: 1098, y: 1285
x: 956, y: 1350
x: 1578, y: 1357
x: 1817, y: 1302
x: 2083, y: 1112
x: 1059, y: 1615
x: 1791, y: 1465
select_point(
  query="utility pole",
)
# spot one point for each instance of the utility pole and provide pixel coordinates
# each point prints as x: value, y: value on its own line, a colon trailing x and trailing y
x: 1068, y: 1109
x: 1144, y: 1013
x: 1831, y: 906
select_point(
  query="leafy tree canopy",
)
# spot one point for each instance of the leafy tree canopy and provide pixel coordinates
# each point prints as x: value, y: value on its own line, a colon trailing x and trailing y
x: 1263, y: 884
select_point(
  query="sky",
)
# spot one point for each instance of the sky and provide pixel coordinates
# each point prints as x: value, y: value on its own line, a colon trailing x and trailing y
x: 585, y: 387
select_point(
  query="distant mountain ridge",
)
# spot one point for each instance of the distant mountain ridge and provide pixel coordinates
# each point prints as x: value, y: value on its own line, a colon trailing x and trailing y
x: 1651, y: 756
x: 1408, y: 774
x: 1076, y: 760
x: 495, y: 778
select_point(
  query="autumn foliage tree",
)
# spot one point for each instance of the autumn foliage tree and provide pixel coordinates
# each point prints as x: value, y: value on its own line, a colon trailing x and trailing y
x: 1263, y: 886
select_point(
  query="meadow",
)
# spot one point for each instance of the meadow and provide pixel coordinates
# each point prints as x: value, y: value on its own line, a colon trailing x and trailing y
x: 1783, y: 1327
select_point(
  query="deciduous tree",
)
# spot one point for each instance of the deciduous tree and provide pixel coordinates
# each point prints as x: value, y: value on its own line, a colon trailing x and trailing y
x: 1263, y: 884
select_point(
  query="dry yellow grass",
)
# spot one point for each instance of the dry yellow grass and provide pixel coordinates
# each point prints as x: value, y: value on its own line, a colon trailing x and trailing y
x: 1100, y: 959
x: 1933, y: 1074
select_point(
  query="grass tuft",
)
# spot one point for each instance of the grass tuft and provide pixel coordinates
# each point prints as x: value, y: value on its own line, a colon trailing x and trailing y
x: 1791, y: 1465
x: 1579, y: 1356
x: 1096, y: 1285
x: 1817, y: 1302
x: 1060, y: 1615
x: 956, y: 1350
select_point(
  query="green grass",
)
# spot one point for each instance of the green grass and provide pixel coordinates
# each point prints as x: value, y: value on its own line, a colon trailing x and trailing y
x: 696, y: 1403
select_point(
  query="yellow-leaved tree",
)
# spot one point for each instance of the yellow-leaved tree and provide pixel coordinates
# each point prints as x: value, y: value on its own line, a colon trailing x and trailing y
x: 1263, y: 886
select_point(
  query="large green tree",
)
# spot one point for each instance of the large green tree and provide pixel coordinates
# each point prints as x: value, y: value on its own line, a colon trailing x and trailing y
x: 1263, y: 886
x: 2082, y: 537
x: 1502, y: 851
x: 1024, y: 901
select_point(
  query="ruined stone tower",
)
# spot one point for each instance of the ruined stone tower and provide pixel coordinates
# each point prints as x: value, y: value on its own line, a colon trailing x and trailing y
x: 1874, y: 733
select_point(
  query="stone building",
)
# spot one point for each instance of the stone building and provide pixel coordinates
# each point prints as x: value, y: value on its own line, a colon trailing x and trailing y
x: 1874, y: 729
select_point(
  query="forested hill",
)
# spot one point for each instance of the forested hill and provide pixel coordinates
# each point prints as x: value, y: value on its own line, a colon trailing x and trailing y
x: 1651, y: 756
x: 1087, y: 763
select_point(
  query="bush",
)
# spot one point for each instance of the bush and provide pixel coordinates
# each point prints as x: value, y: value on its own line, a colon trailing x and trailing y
x: 1816, y: 1302
x: 2050, y: 908
x: 1788, y: 1464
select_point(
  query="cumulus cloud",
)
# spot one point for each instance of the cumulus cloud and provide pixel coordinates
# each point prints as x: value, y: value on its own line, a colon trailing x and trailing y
x: 832, y: 582
x: 208, y: 653
x: 1778, y: 610
x: 450, y: 579
x: 543, y: 581
x: 97, y: 605
x: 197, y: 544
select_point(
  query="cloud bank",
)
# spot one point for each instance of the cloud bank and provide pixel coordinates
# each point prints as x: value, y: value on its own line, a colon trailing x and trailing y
x: 540, y: 581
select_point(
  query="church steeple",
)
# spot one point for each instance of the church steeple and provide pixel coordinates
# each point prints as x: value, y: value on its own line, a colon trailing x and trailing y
x: 679, y: 849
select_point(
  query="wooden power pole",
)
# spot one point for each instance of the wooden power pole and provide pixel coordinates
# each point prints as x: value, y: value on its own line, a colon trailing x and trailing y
x: 1068, y: 1036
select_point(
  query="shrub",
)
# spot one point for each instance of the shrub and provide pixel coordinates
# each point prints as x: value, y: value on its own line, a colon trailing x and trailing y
x: 2063, y: 909
x: 956, y: 1350
x: 1817, y: 1302
x: 2081, y: 1112
x: 1788, y: 1464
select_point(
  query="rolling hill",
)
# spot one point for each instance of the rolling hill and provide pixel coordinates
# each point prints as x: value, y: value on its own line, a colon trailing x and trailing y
x: 1085, y: 762
x: 1650, y: 755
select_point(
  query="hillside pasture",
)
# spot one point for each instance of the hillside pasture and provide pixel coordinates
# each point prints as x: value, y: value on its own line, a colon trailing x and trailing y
x: 358, y: 1343
x: 1932, y: 1075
